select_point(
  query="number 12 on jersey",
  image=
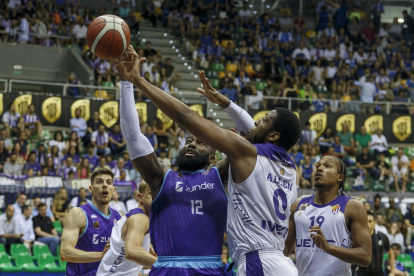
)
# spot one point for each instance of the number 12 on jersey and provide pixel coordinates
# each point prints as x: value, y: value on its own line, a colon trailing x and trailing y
x: 196, y: 206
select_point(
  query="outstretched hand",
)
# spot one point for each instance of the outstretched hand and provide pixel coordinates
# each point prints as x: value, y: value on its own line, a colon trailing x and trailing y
x: 210, y: 93
x: 129, y: 65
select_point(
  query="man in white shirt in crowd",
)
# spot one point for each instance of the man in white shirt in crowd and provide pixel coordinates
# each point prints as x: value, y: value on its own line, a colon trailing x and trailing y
x: 78, y: 124
x: 11, y: 166
x: 133, y: 202
x: 308, y: 138
x: 24, y: 29
x: 116, y: 204
x: 301, y: 52
x: 329, y: 53
x: 100, y: 140
x: 18, y: 205
x: 120, y: 167
x: 399, y: 177
x: 400, y: 157
x: 368, y: 93
x: 163, y: 157
x: 245, y: 14
x: 9, y: 228
x: 79, y: 31
x: 379, y: 144
x: 76, y: 201
x: 10, y: 120
x: 26, y: 227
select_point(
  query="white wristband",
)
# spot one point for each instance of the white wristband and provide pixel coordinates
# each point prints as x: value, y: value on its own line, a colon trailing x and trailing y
x: 240, y: 117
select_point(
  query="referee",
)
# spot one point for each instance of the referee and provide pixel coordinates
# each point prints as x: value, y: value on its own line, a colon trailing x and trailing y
x: 380, y: 245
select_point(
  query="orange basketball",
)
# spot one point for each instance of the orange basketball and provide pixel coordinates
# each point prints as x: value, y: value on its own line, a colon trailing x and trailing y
x: 108, y: 36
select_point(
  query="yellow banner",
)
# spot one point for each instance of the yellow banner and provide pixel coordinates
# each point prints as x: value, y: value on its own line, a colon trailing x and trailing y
x: 85, y: 107
x: 348, y: 119
x: 164, y: 119
x: 22, y: 103
x: 260, y: 115
x: 142, y: 112
x: 1, y: 103
x: 372, y: 123
x: 318, y: 122
x: 198, y: 108
x: 52, y: 109
x: 401, y: 127
x: 109, y: 113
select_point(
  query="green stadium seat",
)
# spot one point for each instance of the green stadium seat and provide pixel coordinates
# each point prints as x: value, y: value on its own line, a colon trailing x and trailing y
x: 47, y: 262
x: 377, y: 185
x: 58, y: 226
x: 18, y: 249
x: 385, y: 257
x: 62, y: 263
x: 410, y: 186
x: 6, y: 265
x: 107, y: 84
x: 215, y: 83
x: 39, y: 250
x: 409, y: 151
x: 261, y: 86
x: 211, y: 74
x: 406, y: 260
x: 26, y: 263
x: 218, y: 67
x: 2, y: 249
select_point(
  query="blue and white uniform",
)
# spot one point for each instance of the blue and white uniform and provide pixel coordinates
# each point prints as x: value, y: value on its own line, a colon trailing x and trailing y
x: 258, y: 214
x: 114, y: 261
x: 330, y: 217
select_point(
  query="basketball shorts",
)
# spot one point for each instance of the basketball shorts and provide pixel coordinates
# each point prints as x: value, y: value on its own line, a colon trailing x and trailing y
x: 266, y: 263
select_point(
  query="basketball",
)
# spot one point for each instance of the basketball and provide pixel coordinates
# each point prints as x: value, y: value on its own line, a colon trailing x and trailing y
x: 108, y: 36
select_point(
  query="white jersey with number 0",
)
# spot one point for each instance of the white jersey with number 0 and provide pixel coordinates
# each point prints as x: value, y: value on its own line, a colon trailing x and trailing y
x: 259, y: 208
x: 330, y: 217
x: 114, y: 261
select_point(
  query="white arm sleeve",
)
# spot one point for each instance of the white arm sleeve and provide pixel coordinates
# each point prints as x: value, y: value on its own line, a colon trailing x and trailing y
x: 240, y: 117
x: 138, y: 144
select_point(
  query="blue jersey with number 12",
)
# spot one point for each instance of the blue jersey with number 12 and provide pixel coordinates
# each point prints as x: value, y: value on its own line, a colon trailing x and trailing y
x: 188, y: 217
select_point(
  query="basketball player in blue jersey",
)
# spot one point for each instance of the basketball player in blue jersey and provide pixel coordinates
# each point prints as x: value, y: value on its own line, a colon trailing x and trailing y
x: 329, y: 230
x: 262, y: 177
x: 189, y: 210
x: 130, y: 241
x: 88, y: 228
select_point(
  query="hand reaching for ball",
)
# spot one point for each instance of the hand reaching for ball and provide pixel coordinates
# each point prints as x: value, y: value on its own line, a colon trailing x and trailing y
x: 129, y: 65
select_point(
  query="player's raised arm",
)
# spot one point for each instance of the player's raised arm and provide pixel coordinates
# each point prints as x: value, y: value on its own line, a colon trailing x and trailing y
x: 240, y: 117
x: 361, y: 251
x: 223, y: 140
x: 140, y: 149
x: 75, y: 221
x: 137, y: 226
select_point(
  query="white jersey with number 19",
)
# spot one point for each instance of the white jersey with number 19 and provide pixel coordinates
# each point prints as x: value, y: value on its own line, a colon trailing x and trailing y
x: 258, y: 214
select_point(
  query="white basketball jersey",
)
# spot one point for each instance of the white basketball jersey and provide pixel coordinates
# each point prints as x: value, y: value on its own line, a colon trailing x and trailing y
x: 310, y: 260
x: 259, y: 208
x: 114, y: 261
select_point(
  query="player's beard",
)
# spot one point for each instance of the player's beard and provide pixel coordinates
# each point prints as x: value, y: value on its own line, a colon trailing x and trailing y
x: 259, y: 138
x: 192, y: 164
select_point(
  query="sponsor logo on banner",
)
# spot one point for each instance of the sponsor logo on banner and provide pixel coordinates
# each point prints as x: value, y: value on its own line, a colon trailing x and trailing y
x: 109, y: 113
x: 348, y: 119
x: 372, y: 123
x: 260, y: 115
x: 22, y: 103
x: 52, y: 109
x: 401, y: 127
x: 318, y: 123
x: 85, y: 107
x: 164, y: 119
x: 142, y: 111
x: 198, y: 108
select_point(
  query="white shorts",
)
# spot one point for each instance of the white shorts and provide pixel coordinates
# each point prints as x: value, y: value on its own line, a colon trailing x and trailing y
x: 266, y: 263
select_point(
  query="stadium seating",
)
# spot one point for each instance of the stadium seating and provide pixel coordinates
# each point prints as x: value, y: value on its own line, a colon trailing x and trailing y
x: 260, y: 86
x: 39, y: 250
x: 26, y: 263
x: 406, y: 260
x: 58, y: 226
x: 6, y: 264
x: 18, y: 250
x: 48, y: 263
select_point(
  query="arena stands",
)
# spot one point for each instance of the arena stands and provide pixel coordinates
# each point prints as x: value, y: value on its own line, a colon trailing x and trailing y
x: 348, y: 75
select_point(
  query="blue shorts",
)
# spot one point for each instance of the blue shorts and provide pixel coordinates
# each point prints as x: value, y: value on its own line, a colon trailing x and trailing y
x: 188, y: 266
